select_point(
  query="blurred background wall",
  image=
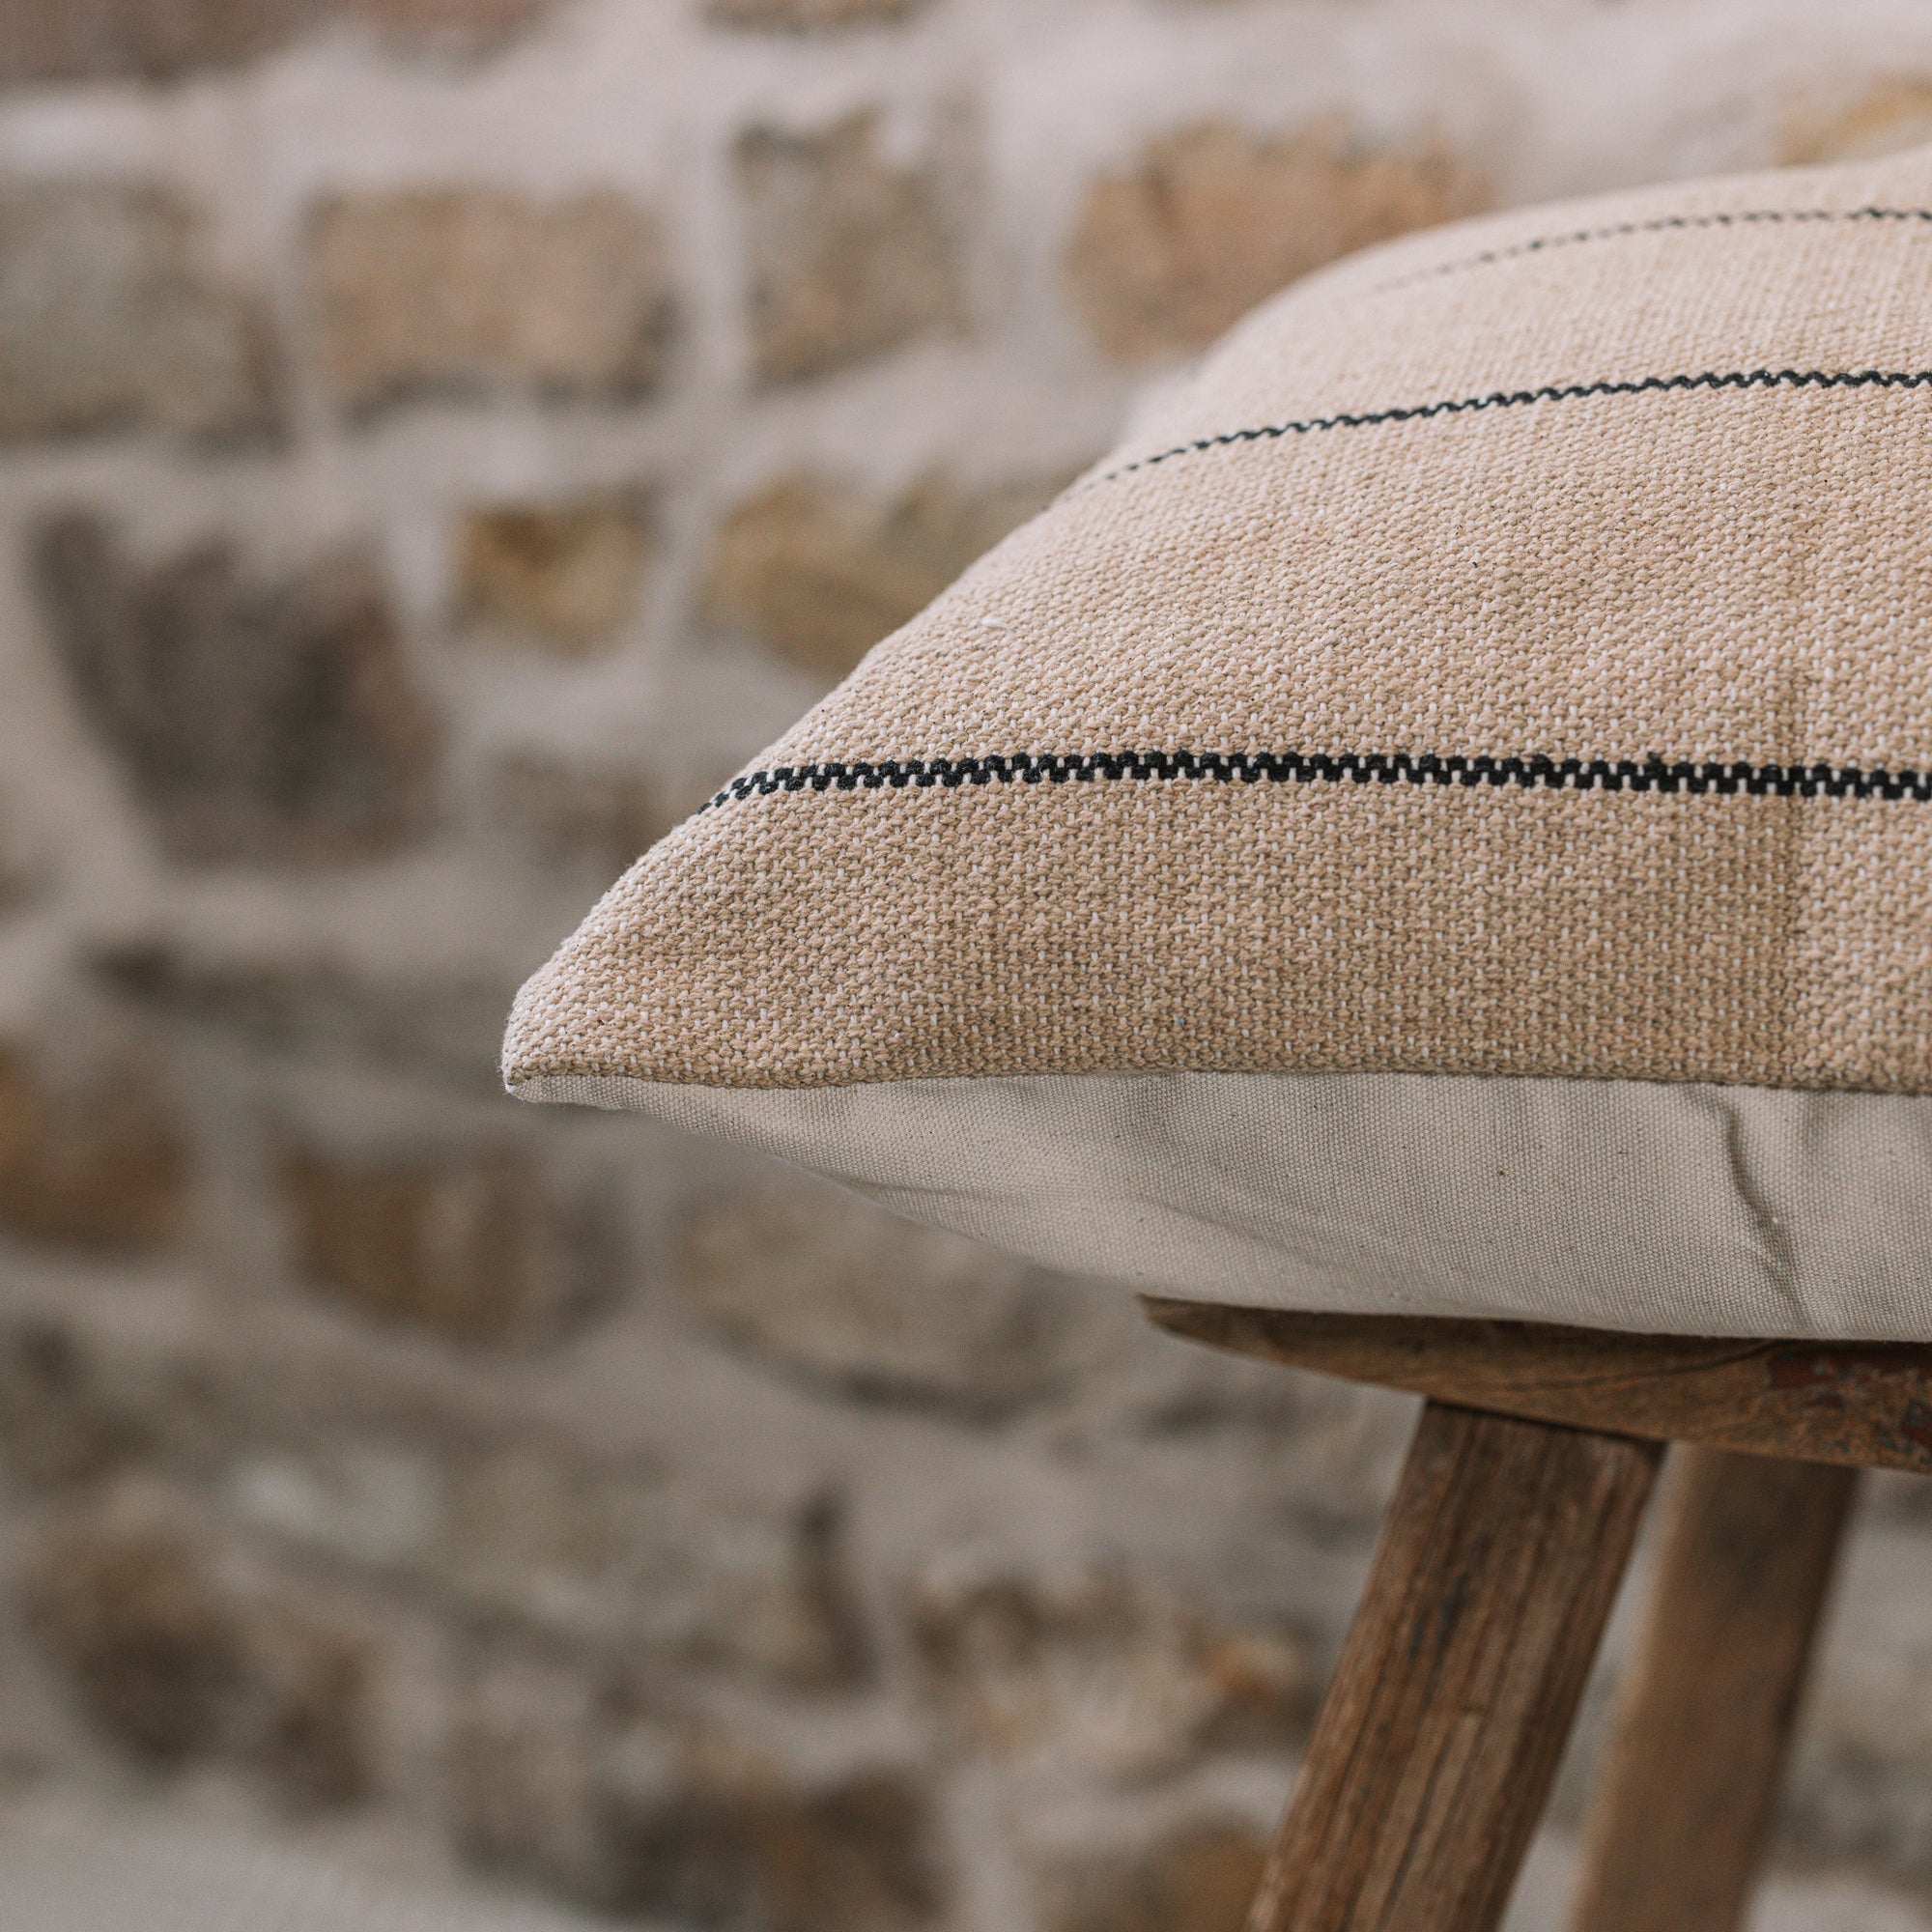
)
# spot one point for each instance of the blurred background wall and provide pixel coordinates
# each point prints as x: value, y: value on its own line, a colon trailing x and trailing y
x: 439, y: 441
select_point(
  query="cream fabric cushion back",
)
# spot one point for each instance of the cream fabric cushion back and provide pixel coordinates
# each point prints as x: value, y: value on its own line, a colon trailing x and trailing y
x: 1438, y: 820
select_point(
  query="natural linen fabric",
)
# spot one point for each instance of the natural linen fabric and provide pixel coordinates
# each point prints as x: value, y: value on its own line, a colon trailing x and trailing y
x: 1509, y: 658
x: 1621, y: 1204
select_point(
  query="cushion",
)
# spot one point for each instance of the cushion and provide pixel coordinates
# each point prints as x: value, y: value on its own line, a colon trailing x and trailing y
x: 1438, y: 820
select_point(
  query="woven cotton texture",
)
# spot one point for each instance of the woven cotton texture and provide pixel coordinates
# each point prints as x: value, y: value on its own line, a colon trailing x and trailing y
x: 1439, y: 820
x: 1508, y: 654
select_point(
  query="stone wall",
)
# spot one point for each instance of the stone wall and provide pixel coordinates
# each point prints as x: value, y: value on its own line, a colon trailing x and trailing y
x: 440, y: 439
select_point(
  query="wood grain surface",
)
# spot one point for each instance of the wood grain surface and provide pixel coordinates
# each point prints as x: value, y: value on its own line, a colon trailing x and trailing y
x: 1863, y: 1404
x: 1678, y: 1829
x: 1434, y: 1751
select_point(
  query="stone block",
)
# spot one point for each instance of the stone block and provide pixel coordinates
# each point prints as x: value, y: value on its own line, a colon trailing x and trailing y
x: 1197, y: 1877
x: 684, y: 1835
x: 103, y: 1375
x: 849, y: 255
x: 97, y: 1158
x: 458, y: 26
x: 674, y: 1822
x: 586, y: 1557
x: 469, y: 1244
x: 810, y: 16
x: 255, y: 720
x: 1884, y: 119
x: 1211, y: 220
x: 472, y: 291
x: 101, y: 40
x: 634, y: 1563
x: 54, y: 1429
x: 299, y: 998
x: 151, y: 1645
x: 162, y: 40
x: 562, y: 576
x: 112, y: 315
x: 732, y: 1585
x: 818, y: 571
x: 573, y: 812
x: 857, y: 1855
x: 524, y: 1777
x: 176, y: 1659
x: 304, y: 1717
x: 1858, y: 1791
x: 822, y: 1285
x: 1852, y: 1810
x: 24, y: 863
x: 1098, y: 1669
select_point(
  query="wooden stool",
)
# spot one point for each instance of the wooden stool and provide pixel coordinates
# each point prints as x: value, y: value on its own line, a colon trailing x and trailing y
x: 1500, y: 1559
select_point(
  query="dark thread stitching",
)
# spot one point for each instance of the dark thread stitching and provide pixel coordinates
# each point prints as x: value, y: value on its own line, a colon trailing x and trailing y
x: 1740, y: 219
x: 1509, y: 399
x: 1413, y: 768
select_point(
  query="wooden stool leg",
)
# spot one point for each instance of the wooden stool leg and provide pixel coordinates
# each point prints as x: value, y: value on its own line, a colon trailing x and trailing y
x: 1680, y: 1821
x: 1455, y: 1688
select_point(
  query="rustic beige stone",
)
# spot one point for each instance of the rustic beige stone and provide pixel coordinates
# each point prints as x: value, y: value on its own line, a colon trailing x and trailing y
x: 148, y: 1640
x: 159, y: 40
x: 802, y: 566
x: 467, y: 291
x: 75, y: 40
x: 849, y: 256
x: 676, y: 1822
x: 98, y: 1159
x: 706, y: 1832
x: 818, y: 571
x: 90, y: 1398
x: 113, y: 316
x: 1213, y: 219
x: 1098, y: 1669
x: 275, y: 721
x: 858, y: 1856
x: 23, y: 868
x: 177, y: 1654
x: 562, y: 575
x: 810, y: 16
x: 1886, y: 119
x: 461, y: 25
x: 467, y: 1244
x: 678, y: 1570
x: 525, y: 1769
x: 282, y: 995
x: 1198, y: 1877
x: 531, y: 1531
x: 824, y: 1285
x: 57, y: 1425
x: 573, y: 811
x: 305, y: 1713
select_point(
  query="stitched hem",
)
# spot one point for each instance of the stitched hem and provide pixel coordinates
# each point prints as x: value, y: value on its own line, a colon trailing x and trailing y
x: 1616, y: 230
x: 1532, y: 774
x: 1512, y: 399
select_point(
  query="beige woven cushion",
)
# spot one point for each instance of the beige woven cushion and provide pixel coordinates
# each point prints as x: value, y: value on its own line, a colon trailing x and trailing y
x: 1440, y: 818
